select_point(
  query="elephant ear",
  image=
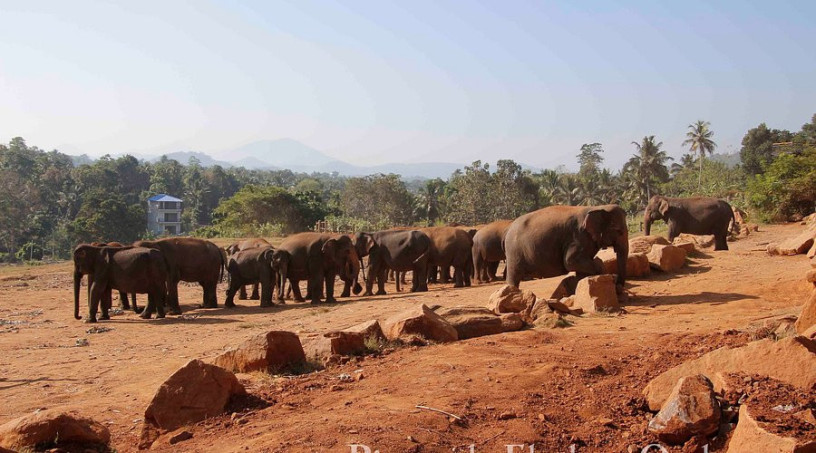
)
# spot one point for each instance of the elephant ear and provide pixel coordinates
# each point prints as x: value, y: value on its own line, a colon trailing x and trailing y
x: 329, y: 248
x: 279, y: 257
x: 594, y: 223
x: 663, y: 206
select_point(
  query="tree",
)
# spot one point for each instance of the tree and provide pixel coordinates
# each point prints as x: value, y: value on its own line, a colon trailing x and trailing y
x: 757, y: 147
x: 699, y: 137
x: 381, y: 200
x: 470, y: 194
x: 512, y: 192
x: 428, y: 200
x: 261, y: 211
x: 646, y: 169
x: 590, y: 159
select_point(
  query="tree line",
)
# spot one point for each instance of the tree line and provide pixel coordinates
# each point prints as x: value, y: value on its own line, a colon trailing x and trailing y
x: 48, y: 203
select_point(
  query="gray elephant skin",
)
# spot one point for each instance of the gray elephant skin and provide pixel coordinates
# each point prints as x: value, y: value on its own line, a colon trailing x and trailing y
x: 397, y: 250
x: 560, y: 239
x: 487, y: 249
x: 258, y: 265
x: 317, y: 258
x: 697, y: 215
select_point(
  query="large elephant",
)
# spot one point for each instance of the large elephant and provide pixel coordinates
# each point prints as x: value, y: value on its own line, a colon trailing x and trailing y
x: 253, y: 266
x: 451, y: 246
x: 398, y: 250
x: 191, y: 260
x: 317, y: 258
x: 560, y: 239
x: 691, y: 215
x: 244, y: 245
x: 487, y: 249
x: 126, y: 269
x: 124, y: 304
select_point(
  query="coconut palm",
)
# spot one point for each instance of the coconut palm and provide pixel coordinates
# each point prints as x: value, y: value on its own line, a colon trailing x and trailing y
x: 699, y: 137
x: 647, y: 167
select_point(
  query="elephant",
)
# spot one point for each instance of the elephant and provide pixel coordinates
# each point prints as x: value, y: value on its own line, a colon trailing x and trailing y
x: 127, y: 269
x: 124, y: 304
x: 451, y: 247
x: 560, y: 239
x: 487, y: 249
x: 398, y: 250
x: 691, y: 215
x: 317, y: 258
x: 243, y: 245
x: 191, y: 260
x: 253, y: 266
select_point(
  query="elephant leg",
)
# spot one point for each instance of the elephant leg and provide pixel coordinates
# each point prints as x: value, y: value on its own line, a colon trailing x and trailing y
x: 242, y: 295
x: 234, y: 286
x: 721, y: 241
x: 123, y: 301
x: 330, y: 288
x: 673, y: 230
x: 136, y: 308
x: 295, y: 286
x: 150, y: 307
x: 266, y: 290
x: 159, y: 296
x: 106, y: 304
x: 458, y: 277
x: 397, y: 281
x: 96, y: 295
x: 255, y: 295
x: 313, y: 287
x: 382, y: 276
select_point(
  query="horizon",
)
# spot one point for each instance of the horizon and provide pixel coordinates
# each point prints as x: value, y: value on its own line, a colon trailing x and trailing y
x: 366, y: 83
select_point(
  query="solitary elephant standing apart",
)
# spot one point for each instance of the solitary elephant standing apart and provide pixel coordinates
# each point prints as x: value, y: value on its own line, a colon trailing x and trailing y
x: 698, y: 215
x: 488, y: 250
x: 191, y: 260
x: 560, y: 239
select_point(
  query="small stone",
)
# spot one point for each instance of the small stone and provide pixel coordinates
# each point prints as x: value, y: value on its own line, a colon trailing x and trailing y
x: 181, y: 437
x: 507, y: 416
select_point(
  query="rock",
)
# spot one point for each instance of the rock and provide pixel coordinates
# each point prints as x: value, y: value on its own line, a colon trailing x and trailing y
x: 180, y: 437
x: 43, y: 427
x: 687, y: 246
x: 811, y: 276
x: 511, y: 322
x: 690, y: 410
x: 763, y: 357
x: 667, y: 258
x: 419, y: 321
x: 701, y: 242
x: 739, y: 216
x: 551, y: 321
x: 812, y: 252
x: 568, y: 301
x: 794, y: 246
x: 643, y: 244
x: 637, y: 264
x: 596, y: 293
x: 194, y: 392
x: 807, y: 317
x: 269, y: 352
x: 336, y: 343
x: 369, y: 329
x: 561, y: 307
x: 540, y: 308
x: 750, y: 436
x: 810, y: 333
x: 471, y: 322
x: 509, y: 299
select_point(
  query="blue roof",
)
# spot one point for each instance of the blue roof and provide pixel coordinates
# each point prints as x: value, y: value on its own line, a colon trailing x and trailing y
x: 162, y: 197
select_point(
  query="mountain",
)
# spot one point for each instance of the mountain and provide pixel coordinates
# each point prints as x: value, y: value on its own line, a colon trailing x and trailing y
x: 730, y: 160
x: 183, y: 157
x: 282, y: 153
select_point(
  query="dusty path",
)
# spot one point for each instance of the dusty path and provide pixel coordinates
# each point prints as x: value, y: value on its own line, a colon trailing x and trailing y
x: 575, y: 386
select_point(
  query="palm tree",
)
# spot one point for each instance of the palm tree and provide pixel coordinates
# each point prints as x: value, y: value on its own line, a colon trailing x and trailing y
x: 686, y: 161
x: 648, y: 166
x: 699, y: 137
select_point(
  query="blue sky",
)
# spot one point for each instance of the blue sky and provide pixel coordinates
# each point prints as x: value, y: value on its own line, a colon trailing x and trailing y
x: 373, y: 82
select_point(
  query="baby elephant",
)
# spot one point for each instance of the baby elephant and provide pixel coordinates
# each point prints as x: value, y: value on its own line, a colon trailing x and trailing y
x: 255, y: 265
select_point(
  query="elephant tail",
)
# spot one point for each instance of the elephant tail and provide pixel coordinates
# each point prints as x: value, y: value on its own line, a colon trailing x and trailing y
x: 224, y: 262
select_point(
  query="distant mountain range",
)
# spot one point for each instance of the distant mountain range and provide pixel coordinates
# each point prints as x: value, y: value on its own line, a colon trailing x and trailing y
x: 298, y: 157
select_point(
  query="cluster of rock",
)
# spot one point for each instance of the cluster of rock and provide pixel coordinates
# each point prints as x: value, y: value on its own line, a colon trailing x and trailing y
x: 690, y: 398
x: 801, y: 243
x: 647, y: 253
x: 742, y: 227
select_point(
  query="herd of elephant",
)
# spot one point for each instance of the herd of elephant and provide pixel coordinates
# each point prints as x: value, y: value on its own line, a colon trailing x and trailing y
x: 545, y: 243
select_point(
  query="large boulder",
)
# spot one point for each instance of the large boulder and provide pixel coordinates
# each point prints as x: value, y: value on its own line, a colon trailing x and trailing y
x: 791, y: 360
x: 596, y: 293
x: 335, y: 343
x: 807, y: 317
x: 511, y: 322
x: 369, y: 330
x: 419, y: 321
x: 690, y: 410
x: 43, y: 427
x: 471, y: 322
x: 795, y: 245
x: 667, y: 258
x: 704, y: 241
x: 509, y: 299
x: 271, y: 352
x: 643, y: 244
x: 193, y: 393
x: 750, y: 436
x: 687, y: 246
x: 637, y: 264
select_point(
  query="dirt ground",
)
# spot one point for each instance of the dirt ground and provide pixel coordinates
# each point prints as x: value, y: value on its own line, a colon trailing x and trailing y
x: 570, y: 389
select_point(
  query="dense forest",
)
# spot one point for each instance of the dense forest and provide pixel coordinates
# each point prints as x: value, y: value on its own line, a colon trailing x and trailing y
x: 48, y: 204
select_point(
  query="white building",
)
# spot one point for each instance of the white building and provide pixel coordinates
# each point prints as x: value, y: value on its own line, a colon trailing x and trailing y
x: 164, y: 215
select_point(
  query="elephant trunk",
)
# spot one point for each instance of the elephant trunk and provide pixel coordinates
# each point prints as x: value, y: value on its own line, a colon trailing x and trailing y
x: 647, y: 223
x: 622, y: 253
x: 282, y: 274
x: 77, y: 281
x: 355, y: 271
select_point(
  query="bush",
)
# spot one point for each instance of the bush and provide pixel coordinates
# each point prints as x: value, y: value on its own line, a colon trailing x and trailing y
x: 787, y: 187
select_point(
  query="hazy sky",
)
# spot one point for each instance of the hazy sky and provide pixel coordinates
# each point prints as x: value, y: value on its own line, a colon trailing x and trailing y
x: 372, y: 82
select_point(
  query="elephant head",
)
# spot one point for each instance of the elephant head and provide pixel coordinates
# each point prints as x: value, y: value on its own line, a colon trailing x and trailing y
x: 85, y: 257
x: 657, y: 209
x: 606, y: 226
x: 363, y: 243
x: 280, y: 264
x: 342, y: 254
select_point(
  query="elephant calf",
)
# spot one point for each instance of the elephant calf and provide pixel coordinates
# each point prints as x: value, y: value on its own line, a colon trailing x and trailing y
x: 253, y: 266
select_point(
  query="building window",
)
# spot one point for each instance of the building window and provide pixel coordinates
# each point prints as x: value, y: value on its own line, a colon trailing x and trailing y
x: 170, y: 229
x: 171, y: 217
